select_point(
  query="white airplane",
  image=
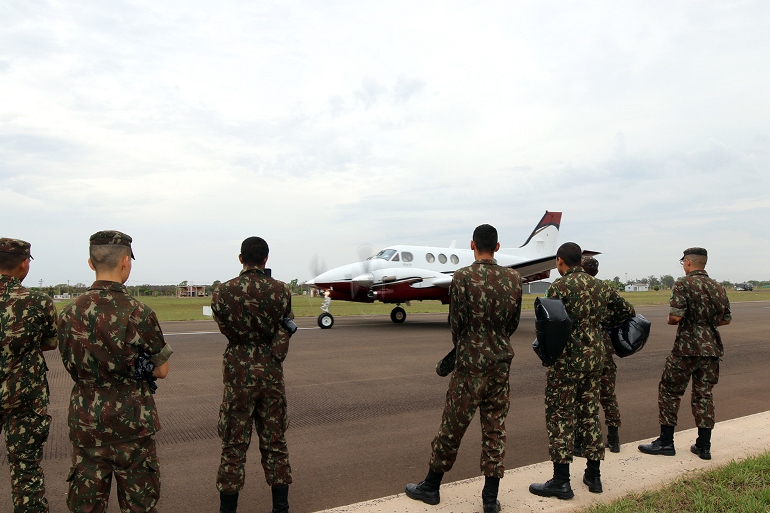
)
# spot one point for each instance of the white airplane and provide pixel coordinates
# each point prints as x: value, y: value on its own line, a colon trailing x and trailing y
x: 400, y: 274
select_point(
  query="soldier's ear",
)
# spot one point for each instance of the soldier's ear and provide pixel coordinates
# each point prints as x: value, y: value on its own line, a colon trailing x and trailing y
x: 91, y: 265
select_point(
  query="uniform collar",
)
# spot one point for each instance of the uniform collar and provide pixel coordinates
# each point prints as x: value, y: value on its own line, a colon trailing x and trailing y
x: 251, y: 270
x: 112, y: 286
x: 698, y: 272
x: 11, y: 280
x: 488, y: 261
x: 576, y: 269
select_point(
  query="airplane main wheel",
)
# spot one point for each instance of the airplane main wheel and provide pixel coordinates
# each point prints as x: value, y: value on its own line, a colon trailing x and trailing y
x: 398, y: 315
x: 325, y: 321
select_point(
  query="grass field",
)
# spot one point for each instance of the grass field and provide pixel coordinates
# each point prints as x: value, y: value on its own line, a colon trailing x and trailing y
x: 738, y: 486
x: 190, y: 309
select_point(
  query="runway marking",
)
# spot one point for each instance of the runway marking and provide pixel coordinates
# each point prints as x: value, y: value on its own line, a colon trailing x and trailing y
x: 191, y: 333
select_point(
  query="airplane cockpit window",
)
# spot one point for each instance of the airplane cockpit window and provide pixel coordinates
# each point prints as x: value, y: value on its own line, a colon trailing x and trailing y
x: 454, y: 259
x: 385, y: 254
x: 395, y: 258
x: 442, y: 258
x: 406, y: 256
x: 430, y: 258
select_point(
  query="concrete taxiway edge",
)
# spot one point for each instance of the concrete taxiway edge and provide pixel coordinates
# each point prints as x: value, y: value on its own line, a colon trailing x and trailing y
x: 622, y: 473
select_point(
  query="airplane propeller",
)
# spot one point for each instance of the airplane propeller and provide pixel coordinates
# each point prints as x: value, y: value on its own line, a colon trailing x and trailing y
x: 317, y: 265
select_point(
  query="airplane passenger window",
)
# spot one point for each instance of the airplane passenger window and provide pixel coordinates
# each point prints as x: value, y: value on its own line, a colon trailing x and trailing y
x: 430, y: 258
x: 454, y: 259
x: 395, y: 258
x: 406, y: 256
x: 442, y: 258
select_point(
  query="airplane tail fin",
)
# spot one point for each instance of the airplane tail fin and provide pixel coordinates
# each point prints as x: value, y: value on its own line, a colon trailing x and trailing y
x: 542, y: 240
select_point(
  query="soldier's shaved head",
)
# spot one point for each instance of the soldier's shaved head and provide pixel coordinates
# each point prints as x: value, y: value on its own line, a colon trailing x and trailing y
x: 107, y: 257
x: 254, y: 251
x: 485, y: 237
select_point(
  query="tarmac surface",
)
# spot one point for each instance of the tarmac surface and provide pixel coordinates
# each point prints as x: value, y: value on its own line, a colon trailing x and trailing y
x: 365, y: 402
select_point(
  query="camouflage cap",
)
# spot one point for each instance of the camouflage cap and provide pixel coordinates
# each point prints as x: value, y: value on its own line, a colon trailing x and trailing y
x: 590, y: 265
x: 107, y: 237
x: 15, y: 246
x: 694, y: 251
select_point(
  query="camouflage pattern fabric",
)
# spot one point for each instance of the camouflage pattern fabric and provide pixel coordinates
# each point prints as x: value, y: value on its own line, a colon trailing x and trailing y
x: 27, y: 327
x: 485, y: 307
x: 137, y: 476
x: 249, y: 311
x: 702, y: 304
x: 607, y: 396
x: 676, y: 375
x: 100, y: 336
x: 572, y: 384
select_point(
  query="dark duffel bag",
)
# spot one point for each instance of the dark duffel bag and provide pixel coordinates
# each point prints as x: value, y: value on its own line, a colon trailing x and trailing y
x: 552, y: 326
x: 630, y: 337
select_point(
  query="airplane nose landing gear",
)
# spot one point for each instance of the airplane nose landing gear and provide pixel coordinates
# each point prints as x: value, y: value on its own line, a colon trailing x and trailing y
x: 326, y: 320
x: 398, y: 315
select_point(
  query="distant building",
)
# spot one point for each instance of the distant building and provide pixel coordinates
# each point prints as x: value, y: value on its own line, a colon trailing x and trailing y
x: 637, y: 287
x: 190, y: 290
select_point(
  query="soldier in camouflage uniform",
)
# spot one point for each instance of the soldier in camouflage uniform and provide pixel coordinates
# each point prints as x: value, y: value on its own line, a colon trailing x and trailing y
x: 698, y: 306
x: 572, y: 384
x: 607, y: 397
x: 250, y: 311
x: 112, y: 416
x: 485, y: 306
x: 27, y: 328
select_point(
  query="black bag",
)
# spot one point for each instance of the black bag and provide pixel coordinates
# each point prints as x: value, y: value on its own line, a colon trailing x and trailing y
x: 630, y: 336
x: 552, y: 326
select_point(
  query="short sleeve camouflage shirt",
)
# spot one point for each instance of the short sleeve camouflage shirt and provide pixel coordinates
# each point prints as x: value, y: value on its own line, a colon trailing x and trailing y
x: 702, y: 304
x: 485, y: 307
x: 100, y: 335
x: 590, y: 303
x: 249, y: 311
x: 27, y: 323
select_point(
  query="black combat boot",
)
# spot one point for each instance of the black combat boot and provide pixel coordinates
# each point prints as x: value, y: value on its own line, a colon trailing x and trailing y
x: 228, y: 502
x: 427, y: 490
x: 702, y: 445
x: 613, y: 439
x: 591, y: 476
x: 664, y: 445
x: 489, y: 495
x: 558, y: 486
x: 280, y: 499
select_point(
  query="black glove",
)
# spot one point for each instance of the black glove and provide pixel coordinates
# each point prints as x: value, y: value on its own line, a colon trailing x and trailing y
x: 289, y: 325
x: 447, y: 364
x: 143, y: 368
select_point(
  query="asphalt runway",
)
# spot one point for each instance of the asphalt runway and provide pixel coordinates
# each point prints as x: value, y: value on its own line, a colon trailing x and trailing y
x: 365, y: 403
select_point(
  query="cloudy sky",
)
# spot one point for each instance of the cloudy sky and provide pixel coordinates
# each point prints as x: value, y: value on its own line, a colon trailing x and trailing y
x: 327, y: 126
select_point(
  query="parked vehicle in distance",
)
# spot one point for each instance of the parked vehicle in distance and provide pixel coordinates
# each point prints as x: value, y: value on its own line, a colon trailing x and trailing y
x: 744, y: 286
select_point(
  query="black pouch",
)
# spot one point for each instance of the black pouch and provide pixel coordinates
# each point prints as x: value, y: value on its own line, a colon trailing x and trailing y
x: 630, y: 336
x: 552, y: 326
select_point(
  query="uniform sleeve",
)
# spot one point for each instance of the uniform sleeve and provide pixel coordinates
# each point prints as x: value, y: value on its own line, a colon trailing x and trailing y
x: 457, y: 314
x: 514, y: 322
x: 50, y: 321
x: 728, y: 316
x: 678, y: 300
x: 220, y: 312
x: 280, y: 344
x: 149, y: 336
x: 618, y: 309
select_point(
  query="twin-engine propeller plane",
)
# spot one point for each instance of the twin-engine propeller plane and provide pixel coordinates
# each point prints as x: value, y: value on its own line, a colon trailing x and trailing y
x: 400, y: 274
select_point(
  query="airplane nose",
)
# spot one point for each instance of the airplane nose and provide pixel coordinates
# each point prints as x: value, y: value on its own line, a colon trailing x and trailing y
x: 364, y: 280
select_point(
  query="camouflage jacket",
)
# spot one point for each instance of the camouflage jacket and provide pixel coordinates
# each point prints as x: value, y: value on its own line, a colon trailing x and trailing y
x: 100, y: 335
x: 702, y: 304
x: 485, y: 306
x: 27, y: 325
x: 590, y: 303
x: 619, y: 311
x: 249, y: 310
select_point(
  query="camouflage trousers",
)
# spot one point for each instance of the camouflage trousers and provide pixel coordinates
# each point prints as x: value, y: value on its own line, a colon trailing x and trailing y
x: 25, y: 434
x: 572, y: 403
x: 704, y: 371
x: 137, y: 476
x: 607, y: 396
x: 241, y: 409
x: 466, y: 393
